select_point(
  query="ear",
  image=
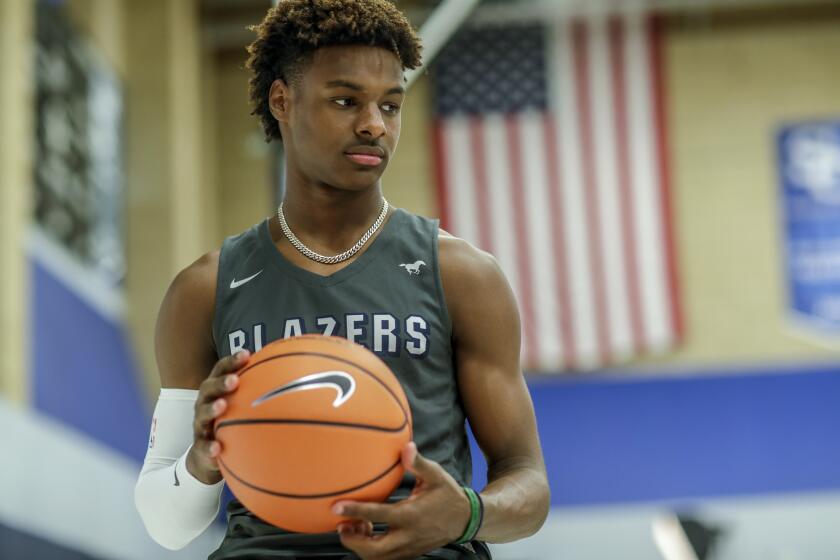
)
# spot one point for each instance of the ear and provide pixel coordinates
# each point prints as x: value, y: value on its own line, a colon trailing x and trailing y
x: 279, y: 97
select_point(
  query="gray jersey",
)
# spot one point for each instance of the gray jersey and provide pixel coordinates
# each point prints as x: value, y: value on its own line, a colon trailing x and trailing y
x: 389, y: 300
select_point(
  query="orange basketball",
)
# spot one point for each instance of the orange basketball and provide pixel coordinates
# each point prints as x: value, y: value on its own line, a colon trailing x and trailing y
x: 314, y: 420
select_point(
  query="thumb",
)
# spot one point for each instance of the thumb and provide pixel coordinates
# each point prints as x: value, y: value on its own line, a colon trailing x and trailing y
x: 416, y: 464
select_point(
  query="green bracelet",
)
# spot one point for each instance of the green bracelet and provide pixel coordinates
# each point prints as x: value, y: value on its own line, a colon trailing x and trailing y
x: 475, y: 516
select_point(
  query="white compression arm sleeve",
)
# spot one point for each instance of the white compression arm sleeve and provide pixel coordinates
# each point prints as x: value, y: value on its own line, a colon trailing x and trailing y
x: 174, y: 505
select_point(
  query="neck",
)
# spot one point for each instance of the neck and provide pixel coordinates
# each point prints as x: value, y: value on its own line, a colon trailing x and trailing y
x: 330, y: 218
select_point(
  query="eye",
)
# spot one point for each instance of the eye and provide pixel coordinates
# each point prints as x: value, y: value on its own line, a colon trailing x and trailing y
x: 391, y: 108
x: 343, y: 101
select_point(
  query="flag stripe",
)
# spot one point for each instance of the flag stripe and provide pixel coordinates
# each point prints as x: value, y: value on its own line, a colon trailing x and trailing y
x: 558, y: 246
x: 463, y: 215
x: 617, y: 38
x: 523, y: 256
x: 441, y: 172
x: 496, y: 158
x: 535, y: 174
x: 658, y: 69
x: 607, y: 192
x: 480, y: 179
x: 578, y: 245
x: 648, y: 216
x: 590, y: 182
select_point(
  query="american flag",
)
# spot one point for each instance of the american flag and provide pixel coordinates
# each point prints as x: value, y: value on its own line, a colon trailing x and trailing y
x: 550, y: 147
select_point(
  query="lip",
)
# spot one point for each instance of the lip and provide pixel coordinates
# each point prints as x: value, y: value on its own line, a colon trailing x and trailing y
x: 369, y: 156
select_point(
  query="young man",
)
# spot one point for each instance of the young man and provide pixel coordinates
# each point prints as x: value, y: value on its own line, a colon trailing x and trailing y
x: 337, y: 259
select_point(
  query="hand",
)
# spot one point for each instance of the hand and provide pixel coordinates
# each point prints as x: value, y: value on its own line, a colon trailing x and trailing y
x: 201, y: 460
x: 434, y: 515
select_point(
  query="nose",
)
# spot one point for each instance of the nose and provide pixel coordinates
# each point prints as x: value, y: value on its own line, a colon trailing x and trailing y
x: 370, y: 125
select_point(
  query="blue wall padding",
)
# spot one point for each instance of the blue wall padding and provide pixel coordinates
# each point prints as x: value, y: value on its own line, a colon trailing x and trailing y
x: 83, y: 368
x: 611, y: 439
x: 607, y: 438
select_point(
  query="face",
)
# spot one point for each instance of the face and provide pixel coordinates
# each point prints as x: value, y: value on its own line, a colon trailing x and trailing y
x: 341, y: 121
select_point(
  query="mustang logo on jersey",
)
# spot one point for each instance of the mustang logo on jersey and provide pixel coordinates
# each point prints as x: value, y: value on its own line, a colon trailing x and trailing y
x: 341, y: 381
x: 383, y: 333
x: 413, y: 268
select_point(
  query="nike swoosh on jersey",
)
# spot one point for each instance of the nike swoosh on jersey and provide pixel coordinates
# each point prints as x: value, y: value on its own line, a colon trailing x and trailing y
x: 177, y: 482
x: 236, y: 283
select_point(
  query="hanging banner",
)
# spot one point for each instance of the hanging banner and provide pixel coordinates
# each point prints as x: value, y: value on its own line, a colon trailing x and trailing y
x: 79, y: 190
x: 809, y: 159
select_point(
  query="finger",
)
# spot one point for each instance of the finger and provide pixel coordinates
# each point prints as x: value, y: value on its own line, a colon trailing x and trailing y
x: 377, y: 513
x: 226, y: 383
x: 418, y: 465
x: 375, y: 546
x: 204, y: 417
x: 207, y: 453
x: 206, y: 413
x: 215, y: 387
x: 230, y: 363
x: 356, y: 527
x: 209, y: 448
x: 365, y: 546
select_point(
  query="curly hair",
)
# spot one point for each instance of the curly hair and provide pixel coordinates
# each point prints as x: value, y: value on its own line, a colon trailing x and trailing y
x: 294, y: 29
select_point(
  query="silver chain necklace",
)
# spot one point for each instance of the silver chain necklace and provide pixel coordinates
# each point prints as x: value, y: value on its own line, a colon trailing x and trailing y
x: 310, y: 254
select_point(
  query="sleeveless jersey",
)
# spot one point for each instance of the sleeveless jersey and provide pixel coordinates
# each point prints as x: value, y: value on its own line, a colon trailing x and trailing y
x: 389, y: 299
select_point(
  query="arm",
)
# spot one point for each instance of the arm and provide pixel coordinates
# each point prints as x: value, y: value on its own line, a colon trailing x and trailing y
x: 177, y: 492
x: 486, y: 341
x: 486, y: 331
x: 186, y: 355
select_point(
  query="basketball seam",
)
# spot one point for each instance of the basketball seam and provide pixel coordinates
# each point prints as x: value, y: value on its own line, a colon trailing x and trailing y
x: 227, y: 423
x: 308, y: 496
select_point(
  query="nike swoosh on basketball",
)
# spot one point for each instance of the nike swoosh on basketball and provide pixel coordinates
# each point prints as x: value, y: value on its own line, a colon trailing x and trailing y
x: 341, y: 381
x: 236, y: 283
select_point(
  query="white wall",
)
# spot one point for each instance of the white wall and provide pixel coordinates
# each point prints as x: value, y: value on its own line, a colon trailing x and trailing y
x: 66, y: 488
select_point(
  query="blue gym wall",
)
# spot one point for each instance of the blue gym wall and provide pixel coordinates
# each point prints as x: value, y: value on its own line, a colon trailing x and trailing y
x: 607, y: 438
x: 618, y: 438
x: 83, y: 368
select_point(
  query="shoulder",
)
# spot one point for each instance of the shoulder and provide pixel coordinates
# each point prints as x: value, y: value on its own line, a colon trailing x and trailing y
x: 197, y: 282
x: 198, y: 279
x: 462, y: 262
x: 191, y: 296
x: 474, y: 286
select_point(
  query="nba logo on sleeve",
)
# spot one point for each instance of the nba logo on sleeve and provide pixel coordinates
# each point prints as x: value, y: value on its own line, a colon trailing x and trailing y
x: 152, y: 434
